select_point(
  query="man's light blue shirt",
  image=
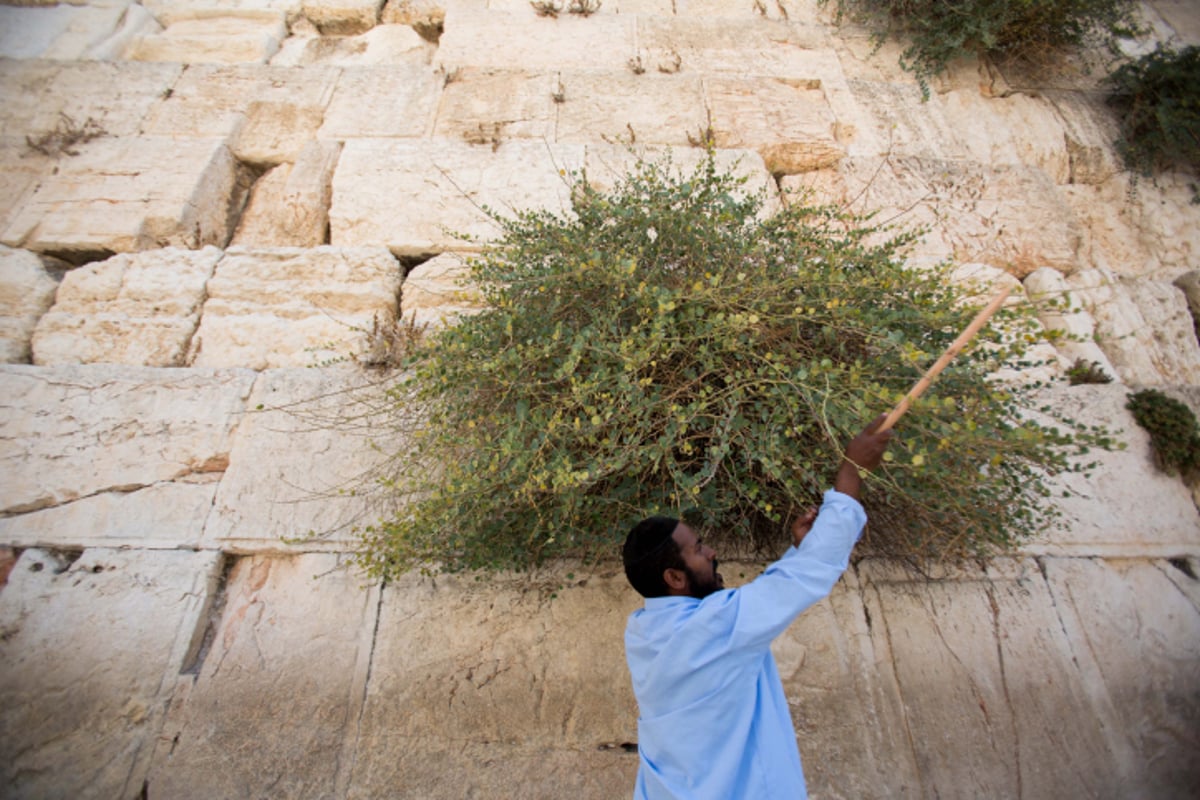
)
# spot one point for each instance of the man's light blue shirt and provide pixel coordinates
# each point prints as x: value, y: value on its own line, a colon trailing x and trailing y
x: 714, y: 723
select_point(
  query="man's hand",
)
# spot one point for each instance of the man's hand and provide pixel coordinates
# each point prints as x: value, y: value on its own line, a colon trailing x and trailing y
x: 864, y: 452
x: 803, y: 525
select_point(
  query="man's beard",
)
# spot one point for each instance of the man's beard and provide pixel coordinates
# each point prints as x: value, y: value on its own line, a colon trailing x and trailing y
x: 699, y: 588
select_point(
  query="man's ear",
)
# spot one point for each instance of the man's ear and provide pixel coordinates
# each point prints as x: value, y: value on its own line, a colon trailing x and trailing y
x: 676, y: 579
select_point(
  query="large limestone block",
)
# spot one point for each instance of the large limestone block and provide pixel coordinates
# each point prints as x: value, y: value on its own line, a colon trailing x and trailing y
x: 289, y: 205
x: 1137, y: 227
x: 651, y: 108
x: 1010, y: 217
x: 305, y: 466
x: 845, y: 701
x: 607, y: 164
x: 1060, y: 311
x: 728, y: 45
x: 1125, y: 506
x: 521, y: 41
x: 382, y: 102
x: 988, y: 680
x: 131, y: 309
x: 128, y: 194
x: 1134, y: 629
x: 902, y: 123
x: 1090, y: 129
x: 437, y: 292
x: 90, y: 650
x: 41, y: 97
x: 213, y: 37
x: 1144, y: 326
x: 26, y: 292
x: 383, y: 44
x: 463, y: 678
x: 789, y: 124
x: 342, y: 17
x: 290, y: 306
x: 72, y: 432
x: 165, y: 515
x: 30, y: 32
x: 421, y: 197
x: 1017, y: 129
x: 170, y: 11
x: 268, y: 112
x: 275, y: 701
x: 480, y: 104
x: 21, y: 170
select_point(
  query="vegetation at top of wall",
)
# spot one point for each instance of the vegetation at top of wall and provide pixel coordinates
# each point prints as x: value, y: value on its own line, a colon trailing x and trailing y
x: 1172, y: 427
x: 939, y: 32
x: 1158, y: 102
x: 663, y: 348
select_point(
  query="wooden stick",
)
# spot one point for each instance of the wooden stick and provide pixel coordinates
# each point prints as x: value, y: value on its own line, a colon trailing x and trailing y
x: 958, y: 344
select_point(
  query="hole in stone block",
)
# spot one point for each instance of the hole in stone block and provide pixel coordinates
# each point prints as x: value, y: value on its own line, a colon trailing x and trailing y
x: 209, y: 620
x: 1184, y: 566
x: 245, y: 176
x: 77, y: 258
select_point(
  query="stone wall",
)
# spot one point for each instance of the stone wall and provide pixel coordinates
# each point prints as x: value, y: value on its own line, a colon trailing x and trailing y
x: 212, y: 212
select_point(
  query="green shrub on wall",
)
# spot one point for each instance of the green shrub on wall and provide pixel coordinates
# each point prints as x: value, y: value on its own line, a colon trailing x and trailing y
x: 1174, y: 434
x: 661, y: 348
x: 1157, y: 98
x: 939, y: 31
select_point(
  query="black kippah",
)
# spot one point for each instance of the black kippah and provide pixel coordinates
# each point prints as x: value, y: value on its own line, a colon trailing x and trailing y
x: 648, y: 537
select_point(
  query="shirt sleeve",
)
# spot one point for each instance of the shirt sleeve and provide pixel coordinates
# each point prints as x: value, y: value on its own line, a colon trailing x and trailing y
x: 759, y: 611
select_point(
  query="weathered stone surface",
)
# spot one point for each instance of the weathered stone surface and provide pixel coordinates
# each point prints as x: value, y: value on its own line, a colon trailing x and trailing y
x: 1013, y: 130
x: 496, y: 677
x: 1059, y: 310
x: 72, y: 432
x: 988, y: 676
x: 1090, y: 129
x: 728, y: 45
x: 1134, y: 630
x: 21, y: 169
x: 479, y: 104
x: 169, y: 11
x: 441, y: 187
x: 26, y: 292
x: 1011, y: 217
x: 901, y: 122
x: 71, y: 31
x: 382, y: 102
x: 271, y: 499
x: 436, y: 292
x: 87, y: 660
x: 289, y: 205
x: 342, y: 17
x: 383, y: 44
x: 1137, y: 227
x: 845, y: 701
x: 267, y: 102
x: 43, y: 96
x: 788, y: 123
x: 606, y: 164
x: 289, y: 306
x: 127, y: 194
x: 291, y: 652
x: 213, y: 37
x: 538, y: 44
x: 165, y: 515
x: 131, y: 309
x: 652, y: 108
x: 1108, y: 512
x: 29, y: 32
x: 1144, y: 327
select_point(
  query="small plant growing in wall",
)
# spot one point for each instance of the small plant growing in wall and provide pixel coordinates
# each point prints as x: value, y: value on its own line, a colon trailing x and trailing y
x: 1172, y: 428
x: 1157, y: 99
x: 661, y: 347
x: 938, y: 32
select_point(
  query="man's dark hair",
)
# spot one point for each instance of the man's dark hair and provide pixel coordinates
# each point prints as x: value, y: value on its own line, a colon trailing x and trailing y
x: 649, y: 550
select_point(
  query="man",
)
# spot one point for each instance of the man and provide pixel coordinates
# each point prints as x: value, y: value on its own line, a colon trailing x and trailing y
x: 714, y: 723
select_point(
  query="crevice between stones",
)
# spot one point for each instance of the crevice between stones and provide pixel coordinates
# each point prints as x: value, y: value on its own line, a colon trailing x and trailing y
x: 209, y: 619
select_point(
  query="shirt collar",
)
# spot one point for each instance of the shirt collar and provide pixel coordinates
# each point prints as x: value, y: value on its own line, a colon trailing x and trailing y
x: 670, y: 601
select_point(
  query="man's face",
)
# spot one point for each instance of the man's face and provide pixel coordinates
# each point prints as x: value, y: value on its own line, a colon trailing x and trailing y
x: 699, y: 563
